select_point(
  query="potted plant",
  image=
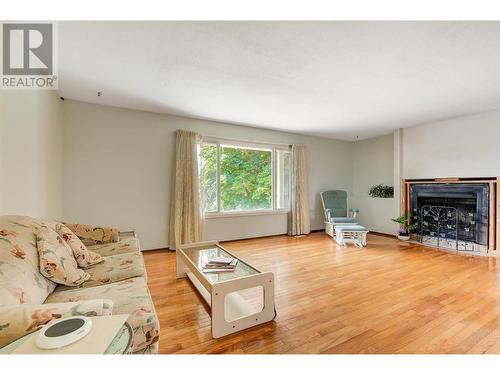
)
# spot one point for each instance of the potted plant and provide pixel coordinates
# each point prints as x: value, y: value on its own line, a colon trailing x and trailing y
x: 381, y: 191
x: 405, y: 226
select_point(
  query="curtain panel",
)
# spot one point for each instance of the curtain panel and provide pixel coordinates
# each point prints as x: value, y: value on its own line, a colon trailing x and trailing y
x: 186, y: 217
x: 298, y: 219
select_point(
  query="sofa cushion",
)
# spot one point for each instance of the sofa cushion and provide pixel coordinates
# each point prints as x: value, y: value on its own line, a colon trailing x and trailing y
x: 57, y: 262
x: 114, y: 268
x: 19, y: 320
x: 20, y: 278
x: 84, y: 257
x: 93, y: 235
x: 124, y: 245
x: 129, y: 297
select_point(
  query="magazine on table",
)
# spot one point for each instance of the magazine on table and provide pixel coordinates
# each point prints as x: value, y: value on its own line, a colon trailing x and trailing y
x: 220, y: 264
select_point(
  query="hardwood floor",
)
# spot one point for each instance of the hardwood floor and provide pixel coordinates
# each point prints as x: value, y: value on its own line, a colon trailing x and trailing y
x: 390, y: 297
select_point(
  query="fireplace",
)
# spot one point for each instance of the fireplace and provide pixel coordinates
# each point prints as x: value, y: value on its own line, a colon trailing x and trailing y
x: 458, y: 214
x: 470, y: 202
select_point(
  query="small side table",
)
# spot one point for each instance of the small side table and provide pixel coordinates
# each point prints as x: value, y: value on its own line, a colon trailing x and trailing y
x: 121, y: 343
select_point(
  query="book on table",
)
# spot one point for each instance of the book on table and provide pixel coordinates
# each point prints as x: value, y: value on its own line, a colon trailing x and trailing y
x: 221, y: 260
x: 220, y: 265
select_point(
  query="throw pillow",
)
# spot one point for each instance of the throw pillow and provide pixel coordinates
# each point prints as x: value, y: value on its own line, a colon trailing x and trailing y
x: 57, y: 262
x: 83, y: 256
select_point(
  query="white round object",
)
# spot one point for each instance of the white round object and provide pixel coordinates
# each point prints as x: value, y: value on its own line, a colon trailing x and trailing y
x: 63, y: 332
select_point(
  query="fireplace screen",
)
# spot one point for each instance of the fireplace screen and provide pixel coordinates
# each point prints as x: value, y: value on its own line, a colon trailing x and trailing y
x: 440, y: 222
x: 469, y: 203
x: 464, y: 210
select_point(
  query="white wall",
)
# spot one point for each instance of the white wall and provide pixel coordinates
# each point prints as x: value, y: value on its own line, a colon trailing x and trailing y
x: 460, y: 147
x: 118, y: 168
x: 30, y: 153
x: 373, y: 164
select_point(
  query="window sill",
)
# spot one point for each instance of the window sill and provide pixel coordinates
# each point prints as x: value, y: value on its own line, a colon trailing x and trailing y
x: 245, y: 213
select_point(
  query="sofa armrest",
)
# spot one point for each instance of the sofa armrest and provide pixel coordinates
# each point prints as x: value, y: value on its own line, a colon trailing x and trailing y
x: 94, y: 235
x: 19, y: 320
x: 130, y: 233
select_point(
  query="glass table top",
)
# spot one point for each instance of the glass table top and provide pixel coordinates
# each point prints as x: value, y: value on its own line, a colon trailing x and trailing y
x: 201, y: 256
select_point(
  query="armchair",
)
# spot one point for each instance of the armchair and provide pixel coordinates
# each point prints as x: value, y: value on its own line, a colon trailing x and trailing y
x: 336, y: 210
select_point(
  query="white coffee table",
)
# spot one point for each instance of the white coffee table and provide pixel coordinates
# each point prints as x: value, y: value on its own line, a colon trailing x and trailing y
x: 238, y: 300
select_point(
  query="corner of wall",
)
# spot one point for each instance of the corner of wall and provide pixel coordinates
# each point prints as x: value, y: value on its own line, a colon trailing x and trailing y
x: 32, y: 178
x: 398, y: 168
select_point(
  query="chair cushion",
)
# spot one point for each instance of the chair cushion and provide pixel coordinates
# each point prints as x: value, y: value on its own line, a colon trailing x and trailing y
x: 350, y: 228
x: 114, y: 268
x: 57, y: 262
x: 125, y: 245
x: 343, y: 220
x: 336, y: 201
x: 129, y: 297
x: 20, y: 278
x: 84, y: 257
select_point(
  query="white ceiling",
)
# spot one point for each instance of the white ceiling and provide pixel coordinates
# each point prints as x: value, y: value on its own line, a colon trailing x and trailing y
x: 335, y: 79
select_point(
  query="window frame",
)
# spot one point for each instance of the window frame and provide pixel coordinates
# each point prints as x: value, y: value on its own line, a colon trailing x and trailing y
x: 274, y: 210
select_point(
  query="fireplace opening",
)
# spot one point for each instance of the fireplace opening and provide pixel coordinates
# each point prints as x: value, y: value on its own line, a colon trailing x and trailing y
x: 465, y: 209
x: 451, y: 211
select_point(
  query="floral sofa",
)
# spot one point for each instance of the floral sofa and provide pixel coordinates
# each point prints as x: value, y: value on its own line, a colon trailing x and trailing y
x: 117, y: 285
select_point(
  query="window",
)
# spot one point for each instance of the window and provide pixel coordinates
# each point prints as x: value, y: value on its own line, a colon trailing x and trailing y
x: 282, y: 178
x: 237, y: 177
x: 209, y: 176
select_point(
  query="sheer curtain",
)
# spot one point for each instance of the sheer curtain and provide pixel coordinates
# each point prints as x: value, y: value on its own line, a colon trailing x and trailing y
x: 298, y: 220
x: 186, y: 217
